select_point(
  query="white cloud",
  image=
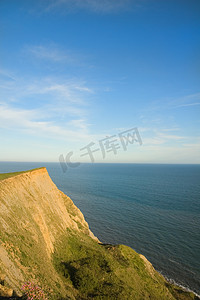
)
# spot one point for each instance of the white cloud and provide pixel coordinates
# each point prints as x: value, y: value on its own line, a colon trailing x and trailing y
x: 169, y: 154
x: 196, y: 145
x: 49, y: 107
x: 170, y: 129
x: 153, y: 136
x: 83, y: 89
x: 171, y: 103
x: 103, y: 6
x: 65, y: 92
x: 51, y: 53
x: 49, y: 89
x: 189, y: 104
x: 153, y: 141
x: 31, y: 122
x: 170, y: 136
x: 187, y: 100
x: 79, y: 123
x: 6, y: 75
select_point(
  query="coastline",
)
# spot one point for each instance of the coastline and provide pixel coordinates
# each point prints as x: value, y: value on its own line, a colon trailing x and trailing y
x: 89, y: 199
x: 172, y: 281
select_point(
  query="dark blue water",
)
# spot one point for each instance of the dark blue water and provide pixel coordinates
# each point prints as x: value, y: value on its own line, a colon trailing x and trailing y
x: 155, y: 209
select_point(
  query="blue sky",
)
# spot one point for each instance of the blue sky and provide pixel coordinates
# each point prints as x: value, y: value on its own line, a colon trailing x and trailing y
x: 76, y: 72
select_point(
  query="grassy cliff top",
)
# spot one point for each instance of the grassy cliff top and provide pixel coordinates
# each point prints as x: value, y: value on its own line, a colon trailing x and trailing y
x: 8, y: 175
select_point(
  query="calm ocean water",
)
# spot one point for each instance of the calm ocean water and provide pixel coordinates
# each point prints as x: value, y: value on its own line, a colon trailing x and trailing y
x: 155, y: 209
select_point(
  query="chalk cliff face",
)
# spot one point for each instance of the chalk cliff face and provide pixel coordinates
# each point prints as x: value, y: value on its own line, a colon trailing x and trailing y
x: 44, y: 239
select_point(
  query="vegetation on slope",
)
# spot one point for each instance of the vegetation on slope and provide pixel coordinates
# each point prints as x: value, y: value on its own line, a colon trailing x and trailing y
x: 98, y: 271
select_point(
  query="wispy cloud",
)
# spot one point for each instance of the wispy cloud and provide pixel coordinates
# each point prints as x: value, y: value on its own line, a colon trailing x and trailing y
x: 50, y: 107
x: 170, y: 129
x: 6, y: 75
x: 189, y: 104
x: 51, y: 53
x: 193, y: 145
x: 160, y: 147
x: 170, y: 103
x: 153, y: 136
x: 170, y: 136
x: 63, y: 91
x: 32, y: 122
x: 50, y: 89
x: 103, y: 6
x: 173, y: 154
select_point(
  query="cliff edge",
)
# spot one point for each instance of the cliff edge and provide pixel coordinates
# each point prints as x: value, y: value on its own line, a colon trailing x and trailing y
x: 45, y: 240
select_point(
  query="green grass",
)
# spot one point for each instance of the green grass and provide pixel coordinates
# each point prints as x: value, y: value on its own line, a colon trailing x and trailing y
x: 8, y: 175
x: 97, y: 271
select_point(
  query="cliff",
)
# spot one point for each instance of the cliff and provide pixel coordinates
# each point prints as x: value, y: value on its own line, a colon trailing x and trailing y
x: 45, y: 240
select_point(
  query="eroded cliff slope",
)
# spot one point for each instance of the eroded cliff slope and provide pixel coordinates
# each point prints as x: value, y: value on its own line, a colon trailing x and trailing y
x: 34, y: 214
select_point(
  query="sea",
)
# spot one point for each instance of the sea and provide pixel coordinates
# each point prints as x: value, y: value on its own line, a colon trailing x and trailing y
x: 153, y: 208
